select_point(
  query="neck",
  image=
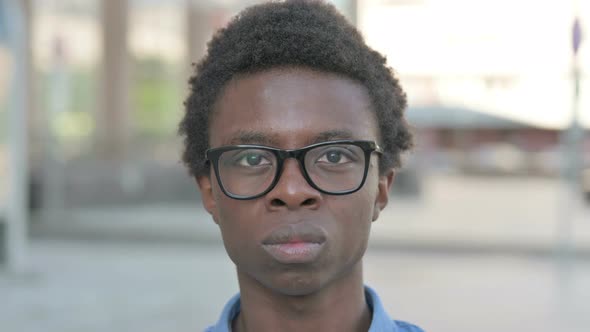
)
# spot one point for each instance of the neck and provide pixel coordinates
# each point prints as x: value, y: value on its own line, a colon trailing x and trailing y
x: 338, y: 306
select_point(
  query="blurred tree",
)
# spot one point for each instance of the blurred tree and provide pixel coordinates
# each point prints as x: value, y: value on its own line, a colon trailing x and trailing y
x: 156, y: 97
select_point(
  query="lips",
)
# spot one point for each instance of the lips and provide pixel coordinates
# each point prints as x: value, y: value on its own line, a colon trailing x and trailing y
x: 295, y: 243
x: 294, y: 233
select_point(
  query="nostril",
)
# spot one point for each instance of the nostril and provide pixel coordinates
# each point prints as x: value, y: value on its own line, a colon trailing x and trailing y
x: 309, y: 201
x: 277, y: 202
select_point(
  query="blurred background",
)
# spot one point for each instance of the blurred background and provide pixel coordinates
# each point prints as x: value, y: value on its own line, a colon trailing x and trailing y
x: 101, y: 229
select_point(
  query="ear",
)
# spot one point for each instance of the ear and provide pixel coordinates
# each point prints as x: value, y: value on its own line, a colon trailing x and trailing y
x: 383, y: 187
x: 207, y: 196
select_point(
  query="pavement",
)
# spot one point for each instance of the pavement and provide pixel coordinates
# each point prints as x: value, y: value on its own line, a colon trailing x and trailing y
x: 471, y: 254
x: 89, y: 286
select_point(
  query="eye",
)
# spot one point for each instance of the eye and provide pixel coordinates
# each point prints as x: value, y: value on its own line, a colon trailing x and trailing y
x: 334, y: 156
x: 249, y: 159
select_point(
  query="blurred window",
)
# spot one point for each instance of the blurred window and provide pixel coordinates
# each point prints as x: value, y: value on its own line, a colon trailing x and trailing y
x: 67, y: 51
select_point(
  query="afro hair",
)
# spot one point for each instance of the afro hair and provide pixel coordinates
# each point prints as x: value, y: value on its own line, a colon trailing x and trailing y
x: 297, y: 33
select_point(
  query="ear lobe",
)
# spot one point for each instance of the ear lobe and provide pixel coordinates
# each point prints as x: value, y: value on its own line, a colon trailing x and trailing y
x: 383, y: 187
x: 207, y: 196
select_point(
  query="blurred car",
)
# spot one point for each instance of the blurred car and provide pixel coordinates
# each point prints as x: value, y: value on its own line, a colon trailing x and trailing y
x: 496, y: 158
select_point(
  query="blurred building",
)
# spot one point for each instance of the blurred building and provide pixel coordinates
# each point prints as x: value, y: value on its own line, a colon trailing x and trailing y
x: 473, y: 142
x: 489, y: 84
x: 108, y: 79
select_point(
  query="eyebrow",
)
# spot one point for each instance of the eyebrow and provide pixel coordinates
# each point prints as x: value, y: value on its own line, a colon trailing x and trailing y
x: 259, y: 138
x: 251, y: 137
x: 331, y: 135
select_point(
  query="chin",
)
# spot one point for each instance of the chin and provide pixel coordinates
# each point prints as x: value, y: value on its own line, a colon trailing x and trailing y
x: 297, y: 284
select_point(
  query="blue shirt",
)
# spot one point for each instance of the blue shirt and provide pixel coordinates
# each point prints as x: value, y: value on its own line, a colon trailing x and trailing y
x: 380, y: 322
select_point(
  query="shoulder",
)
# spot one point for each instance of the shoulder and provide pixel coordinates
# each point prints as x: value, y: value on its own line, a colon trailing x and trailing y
x: 381, y: 320
x: 406, y: 327
x: 230, y: 311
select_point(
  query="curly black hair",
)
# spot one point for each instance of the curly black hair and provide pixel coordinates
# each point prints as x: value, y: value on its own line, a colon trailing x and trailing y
x: 298, y: 33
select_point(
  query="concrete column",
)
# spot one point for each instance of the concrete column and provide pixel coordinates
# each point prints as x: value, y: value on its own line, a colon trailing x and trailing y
x: 113, y: 130
x: 16, y: 210
x: 198, y: 31
x: 35, y: 121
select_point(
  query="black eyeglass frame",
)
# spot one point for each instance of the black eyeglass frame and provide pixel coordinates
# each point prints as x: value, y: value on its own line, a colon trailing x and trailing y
x: 212, y: 156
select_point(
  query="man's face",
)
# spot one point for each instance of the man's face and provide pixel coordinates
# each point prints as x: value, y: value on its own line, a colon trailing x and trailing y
x: 270, y: 238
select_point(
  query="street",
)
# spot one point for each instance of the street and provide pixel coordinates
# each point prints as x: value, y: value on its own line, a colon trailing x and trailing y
x: 113, y: 286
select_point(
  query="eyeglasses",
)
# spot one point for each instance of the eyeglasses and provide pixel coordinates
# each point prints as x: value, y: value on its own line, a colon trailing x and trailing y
x: 333, y: 167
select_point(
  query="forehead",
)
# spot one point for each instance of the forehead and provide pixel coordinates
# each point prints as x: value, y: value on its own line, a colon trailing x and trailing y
x: 291, y: 107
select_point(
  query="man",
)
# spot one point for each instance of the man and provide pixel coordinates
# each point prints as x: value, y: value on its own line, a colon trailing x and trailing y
x: 293, y: 129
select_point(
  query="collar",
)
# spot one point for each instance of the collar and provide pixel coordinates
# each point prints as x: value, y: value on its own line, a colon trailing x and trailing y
x: 381, y: 322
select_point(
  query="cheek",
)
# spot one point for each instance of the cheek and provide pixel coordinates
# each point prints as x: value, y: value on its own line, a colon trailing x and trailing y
x: 358, y: 212
x: 238, y: 227
x: 353, y: 214
x: 363, y: 201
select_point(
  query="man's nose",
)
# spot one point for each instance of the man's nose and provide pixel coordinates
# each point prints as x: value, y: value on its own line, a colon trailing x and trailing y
x: 292, y: 190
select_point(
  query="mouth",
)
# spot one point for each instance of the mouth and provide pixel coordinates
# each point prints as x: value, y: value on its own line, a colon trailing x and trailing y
x: 295, y: 243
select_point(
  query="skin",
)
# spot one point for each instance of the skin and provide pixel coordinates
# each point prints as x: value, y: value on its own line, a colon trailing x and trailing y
x: 290, y: 108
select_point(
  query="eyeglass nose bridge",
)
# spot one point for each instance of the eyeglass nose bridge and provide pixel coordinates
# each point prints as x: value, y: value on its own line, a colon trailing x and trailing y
x: 299, y: 156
